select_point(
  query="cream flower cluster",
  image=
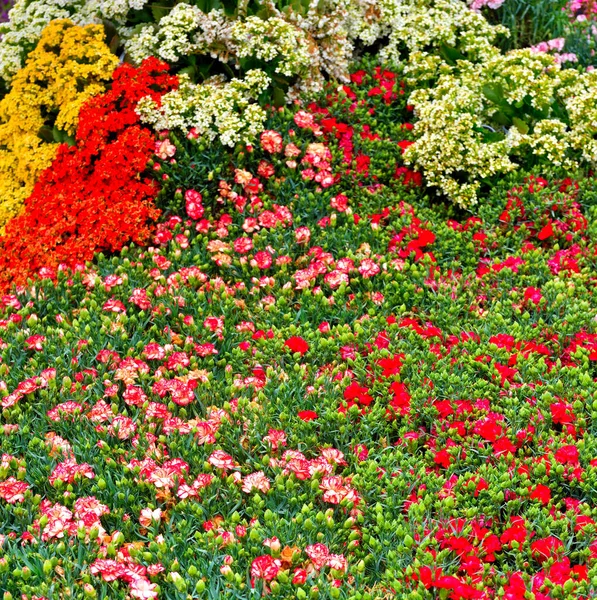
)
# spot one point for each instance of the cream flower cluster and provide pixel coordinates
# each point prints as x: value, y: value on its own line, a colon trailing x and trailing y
x: 214, y: 109
x: 426, y: 25
x: 187, y: 30
x: 454, y: 117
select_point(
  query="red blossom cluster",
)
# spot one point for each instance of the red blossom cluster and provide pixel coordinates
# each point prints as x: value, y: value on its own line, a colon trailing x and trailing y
x: 95, y: 196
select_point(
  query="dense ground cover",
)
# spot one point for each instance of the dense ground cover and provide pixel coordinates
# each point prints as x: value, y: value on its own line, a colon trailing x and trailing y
x: 351, y: 391
x: 254, y: 349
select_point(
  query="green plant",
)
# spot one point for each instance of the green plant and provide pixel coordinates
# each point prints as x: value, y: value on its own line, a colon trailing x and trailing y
x: 530, y: 21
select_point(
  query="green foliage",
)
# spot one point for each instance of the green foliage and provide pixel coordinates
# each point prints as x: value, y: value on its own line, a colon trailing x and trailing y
x: 530, y: 21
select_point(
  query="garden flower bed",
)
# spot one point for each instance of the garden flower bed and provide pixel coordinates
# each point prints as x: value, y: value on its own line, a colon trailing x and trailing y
x: 294, y: 349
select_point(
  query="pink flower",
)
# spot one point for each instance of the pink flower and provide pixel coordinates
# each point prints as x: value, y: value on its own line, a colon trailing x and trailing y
x: 12, y: 490
x: 265, y: 567
x: 148, y: 516
x: 110, y: 570
x: 256, y: 481
x: 35, y: 342
x: 339, y: 203
x: 368, y: 268
x: 114, y: 306
x: 319, y: 555
x: 304, y: 120
x: 265, y: 169
x: 67, y: 471
x: 273, y: 544
x: 194, y: 204
x: 143, y: 589
x: 271, y: 141
x: 300, y: 576
x: 220, y: 460
x: 276, y: 437
x: 122, y: 427
x: 165, y: 149
x: 336, y: 278
x: 243, y: 245
x: 263, y: 260
x: 302, y: 235
x: 337, y: 562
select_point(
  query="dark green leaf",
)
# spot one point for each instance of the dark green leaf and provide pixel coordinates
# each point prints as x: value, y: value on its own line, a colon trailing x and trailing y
x: 46, y: 134
x: 494, y: 92
x: 520, y: 125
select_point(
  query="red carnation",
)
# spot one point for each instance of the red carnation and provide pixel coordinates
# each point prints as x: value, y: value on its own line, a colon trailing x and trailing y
x: 297, y: 344
x: 307, y: 415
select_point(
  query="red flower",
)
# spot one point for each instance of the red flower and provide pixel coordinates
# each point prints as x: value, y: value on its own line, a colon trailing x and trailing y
x: 263, y: 259
x: 193, y: 204
x: 297, y: 344
x: 546, y: 547
x: 567, y: 455
x: 96, y: 195
x: 546, y: 232
x: 541, y: 493
x: 265, y: 567
x: 533, y: 294
x: 307, y: 415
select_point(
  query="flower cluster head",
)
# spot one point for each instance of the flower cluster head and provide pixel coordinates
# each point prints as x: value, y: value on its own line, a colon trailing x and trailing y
x: 98, y: 180
x: 69, y: 65
x: 216, y: 109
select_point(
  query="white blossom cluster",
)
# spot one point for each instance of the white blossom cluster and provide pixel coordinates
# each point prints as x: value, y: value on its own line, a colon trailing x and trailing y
x: 221, y: 109
x: 117, y: 10
x: 425, y: 25
x: 187, y: 30
x: 451, y: 145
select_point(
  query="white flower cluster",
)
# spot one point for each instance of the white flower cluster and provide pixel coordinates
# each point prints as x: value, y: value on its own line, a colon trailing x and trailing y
x: 187, y: 30
x: 426, y: 25
x: 448, y: 146
x: 117, y: 10
x: 272, y: 39
x: 215, y: 109
x: 452, y: 144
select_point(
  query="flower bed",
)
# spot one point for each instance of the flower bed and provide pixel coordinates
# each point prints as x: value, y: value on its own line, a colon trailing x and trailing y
x: 249, y: 350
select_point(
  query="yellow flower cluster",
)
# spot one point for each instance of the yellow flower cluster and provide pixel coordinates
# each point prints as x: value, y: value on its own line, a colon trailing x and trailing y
x: 69, y: 65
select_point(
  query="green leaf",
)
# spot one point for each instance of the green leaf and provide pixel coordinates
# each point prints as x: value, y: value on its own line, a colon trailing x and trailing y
x: 520, y: 125
x: 70, y: 140
x: 450, y: 54
x: 57, y: 135
x: 158, y: 11
x: 114, y: 44
x: 501, y: 118
x: 279, y: 98
x: 46, y: 134
x: 230, y: 7
x: 494, y: 92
